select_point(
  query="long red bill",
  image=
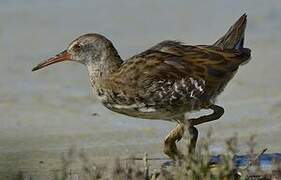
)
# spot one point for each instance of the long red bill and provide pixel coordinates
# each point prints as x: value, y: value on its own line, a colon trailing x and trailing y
x: 63, y: 56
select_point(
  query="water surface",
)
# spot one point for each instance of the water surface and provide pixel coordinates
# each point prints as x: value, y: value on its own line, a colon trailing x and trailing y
x: 45, y: 113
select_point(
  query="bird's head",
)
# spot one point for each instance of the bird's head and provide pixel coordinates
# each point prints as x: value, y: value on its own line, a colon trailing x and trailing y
x: 88, y: 48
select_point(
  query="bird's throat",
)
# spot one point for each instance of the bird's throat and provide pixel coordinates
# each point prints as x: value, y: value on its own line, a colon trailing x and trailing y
x: 100, y: 70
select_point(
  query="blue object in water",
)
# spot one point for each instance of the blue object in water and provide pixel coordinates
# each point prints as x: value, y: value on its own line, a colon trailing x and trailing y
x: 265, y: 161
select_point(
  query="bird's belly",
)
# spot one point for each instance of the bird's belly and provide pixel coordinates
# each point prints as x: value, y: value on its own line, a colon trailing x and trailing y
x: 151, y: 112
x: 165, y: 100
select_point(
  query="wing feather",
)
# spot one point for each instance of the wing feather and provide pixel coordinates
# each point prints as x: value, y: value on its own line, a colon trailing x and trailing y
x: 176, y: 71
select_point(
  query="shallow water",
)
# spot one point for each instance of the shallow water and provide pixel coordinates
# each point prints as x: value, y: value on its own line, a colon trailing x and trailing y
x: 45, y: 113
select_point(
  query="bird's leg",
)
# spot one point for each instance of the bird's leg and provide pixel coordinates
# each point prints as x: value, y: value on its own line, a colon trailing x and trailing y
x: 193, y: 132
x: 176, y: 134
x: 170, y: 147
x: 217, y: 113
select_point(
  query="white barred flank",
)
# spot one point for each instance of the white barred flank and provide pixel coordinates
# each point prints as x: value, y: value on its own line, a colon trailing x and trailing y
x: 160, y: 95
x: 184, y: 88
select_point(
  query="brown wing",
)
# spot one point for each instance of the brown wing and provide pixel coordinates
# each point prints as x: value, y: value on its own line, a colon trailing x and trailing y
x: 171, y: 71
x: 216, y: 66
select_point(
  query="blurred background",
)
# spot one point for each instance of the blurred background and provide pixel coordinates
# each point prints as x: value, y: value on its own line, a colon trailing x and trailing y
x: 45, y: 113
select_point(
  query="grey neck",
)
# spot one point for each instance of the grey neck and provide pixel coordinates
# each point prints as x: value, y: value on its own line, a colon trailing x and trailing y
x: 103, y: 65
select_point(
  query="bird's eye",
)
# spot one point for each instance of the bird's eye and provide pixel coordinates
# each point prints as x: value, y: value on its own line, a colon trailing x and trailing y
x: 77, y: 47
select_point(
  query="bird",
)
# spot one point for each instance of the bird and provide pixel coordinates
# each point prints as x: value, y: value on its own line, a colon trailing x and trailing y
x: 165, y: 82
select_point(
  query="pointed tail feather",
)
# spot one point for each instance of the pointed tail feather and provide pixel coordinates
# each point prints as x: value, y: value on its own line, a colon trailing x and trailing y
x: 234, y: 38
